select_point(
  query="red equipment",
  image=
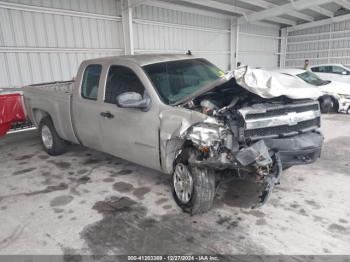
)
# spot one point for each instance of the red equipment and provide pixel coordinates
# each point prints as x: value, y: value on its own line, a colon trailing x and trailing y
x: 11, y: 110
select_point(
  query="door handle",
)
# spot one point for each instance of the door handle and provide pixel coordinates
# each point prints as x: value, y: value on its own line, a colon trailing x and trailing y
x: 107, y: 114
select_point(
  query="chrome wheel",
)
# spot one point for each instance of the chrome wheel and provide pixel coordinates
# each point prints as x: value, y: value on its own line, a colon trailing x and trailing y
x: 183, y: 183
x: 46, y: 137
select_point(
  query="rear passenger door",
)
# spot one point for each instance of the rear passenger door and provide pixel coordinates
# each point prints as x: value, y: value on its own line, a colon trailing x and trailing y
x: 129, y: 133
x: 85, y: 106
x: 341, y: 74
x: 333, y: 73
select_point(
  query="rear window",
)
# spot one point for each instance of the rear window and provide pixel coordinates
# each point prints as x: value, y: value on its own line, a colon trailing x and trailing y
x: 90, y: 82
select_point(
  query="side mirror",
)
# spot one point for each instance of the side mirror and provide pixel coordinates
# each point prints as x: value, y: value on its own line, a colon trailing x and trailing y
x: 133, y: 100
x: 345, y: 73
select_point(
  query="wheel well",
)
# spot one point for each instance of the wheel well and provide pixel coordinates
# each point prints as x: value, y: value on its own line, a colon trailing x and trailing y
x: 334, y: 100
x: 39, y: 115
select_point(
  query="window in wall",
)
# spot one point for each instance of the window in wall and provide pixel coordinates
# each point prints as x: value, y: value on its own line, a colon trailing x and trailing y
x: 120, y: 80
x: 91, y: 79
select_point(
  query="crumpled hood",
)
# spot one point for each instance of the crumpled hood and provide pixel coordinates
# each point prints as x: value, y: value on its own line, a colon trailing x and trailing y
x: 269, y: 84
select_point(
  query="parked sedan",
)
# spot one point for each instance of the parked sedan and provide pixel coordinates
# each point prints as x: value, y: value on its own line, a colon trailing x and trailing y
x: 333, y: 72
x: 336, y: 96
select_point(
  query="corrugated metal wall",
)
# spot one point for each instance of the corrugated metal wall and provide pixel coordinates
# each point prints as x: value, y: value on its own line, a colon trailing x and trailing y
x: 323, y: 44
x: 163, y: 30
x: 45, y: 40
x: 258, y: 46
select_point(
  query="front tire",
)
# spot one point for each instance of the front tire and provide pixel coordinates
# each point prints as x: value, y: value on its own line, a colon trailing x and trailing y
x: 194, y: 188
x: 52, y: 143
x: 326, y: 104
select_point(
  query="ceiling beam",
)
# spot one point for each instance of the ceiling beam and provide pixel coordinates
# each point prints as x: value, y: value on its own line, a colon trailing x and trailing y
x: 187, y: 9
x: 266, y: 5
x: 198, y: 11
x: 219, y: 6
x: 343, y: 3
x: 237, y: 10
x: 282, y: 9
x: 322, y: 11
x: 327, y: 21
x: 281, y: 20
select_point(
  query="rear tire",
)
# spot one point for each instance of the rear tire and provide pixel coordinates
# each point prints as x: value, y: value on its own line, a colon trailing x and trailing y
x: 348, y: 110
x: 52, y: 143
x: 335, y: 106
x: 203, y: 190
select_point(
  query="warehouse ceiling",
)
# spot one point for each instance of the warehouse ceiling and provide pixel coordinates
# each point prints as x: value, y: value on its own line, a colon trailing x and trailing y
x: 282, y: 12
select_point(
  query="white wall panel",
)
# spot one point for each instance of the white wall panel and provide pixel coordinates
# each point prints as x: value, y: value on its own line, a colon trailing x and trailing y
x: 159, y: 30
x: 44, y: 41
x: 258, y: 46
x: 322, y: 44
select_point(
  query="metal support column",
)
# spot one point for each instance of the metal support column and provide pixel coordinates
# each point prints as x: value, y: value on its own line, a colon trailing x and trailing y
x: 283, y: 46
x: 127, y: 27
x: 234, y: 45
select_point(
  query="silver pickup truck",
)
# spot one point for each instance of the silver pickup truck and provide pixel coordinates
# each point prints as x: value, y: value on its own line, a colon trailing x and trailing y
x: 180, y: 115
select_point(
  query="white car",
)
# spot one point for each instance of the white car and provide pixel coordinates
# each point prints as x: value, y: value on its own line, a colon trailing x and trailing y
x: 336, y: 94
x: 333, y: 72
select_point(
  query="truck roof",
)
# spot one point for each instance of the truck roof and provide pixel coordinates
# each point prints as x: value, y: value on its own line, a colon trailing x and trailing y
x: 330, y: 64
x: 144, y: 59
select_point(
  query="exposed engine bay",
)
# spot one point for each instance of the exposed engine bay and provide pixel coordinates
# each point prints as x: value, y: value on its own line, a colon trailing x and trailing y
x: 249, y: 137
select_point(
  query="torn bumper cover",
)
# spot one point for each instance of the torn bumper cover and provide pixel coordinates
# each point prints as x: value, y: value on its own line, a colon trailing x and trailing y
x: 264, y: 159
x: 298, y: 150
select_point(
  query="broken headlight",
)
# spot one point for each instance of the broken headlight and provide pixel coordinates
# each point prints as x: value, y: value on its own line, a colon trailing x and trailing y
x: 209, y: 135
x: 204, y: 135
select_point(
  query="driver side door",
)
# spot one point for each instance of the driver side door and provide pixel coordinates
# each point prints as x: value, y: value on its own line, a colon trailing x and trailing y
x: 128, y: 133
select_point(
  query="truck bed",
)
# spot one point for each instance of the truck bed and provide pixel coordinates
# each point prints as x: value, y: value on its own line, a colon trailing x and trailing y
x: 58, y: 86
x: 52, y: 99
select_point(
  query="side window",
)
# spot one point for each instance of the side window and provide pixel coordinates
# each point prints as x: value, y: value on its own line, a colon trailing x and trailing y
x: 91, y: 79
x: 327, y: 69
x: 315, y: 69
x: 121, y: 79
x: 323, y: 69
x: 339, y: 70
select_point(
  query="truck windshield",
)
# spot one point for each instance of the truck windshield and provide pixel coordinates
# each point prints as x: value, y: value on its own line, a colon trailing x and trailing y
x: 312, y: 79
x: 175, y: 80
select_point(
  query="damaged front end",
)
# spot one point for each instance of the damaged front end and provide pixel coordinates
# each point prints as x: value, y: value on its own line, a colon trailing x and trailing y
x: 256, y: 142
x: 221, y: 151
x: 246, y: 127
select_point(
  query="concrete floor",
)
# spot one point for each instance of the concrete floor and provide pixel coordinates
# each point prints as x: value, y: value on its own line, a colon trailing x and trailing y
x: 87, y: 202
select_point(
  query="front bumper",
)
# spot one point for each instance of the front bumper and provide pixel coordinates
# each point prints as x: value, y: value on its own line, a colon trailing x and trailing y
x: 298, y: 150
x: 265, y: 159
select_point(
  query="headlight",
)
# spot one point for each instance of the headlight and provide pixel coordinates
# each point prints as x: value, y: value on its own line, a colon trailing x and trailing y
x: 204, y: 134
